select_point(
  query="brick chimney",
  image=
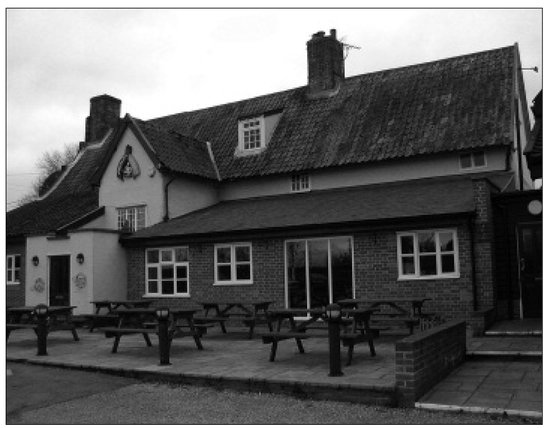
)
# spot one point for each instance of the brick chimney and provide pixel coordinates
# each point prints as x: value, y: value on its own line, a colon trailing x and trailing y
x: 325, y: 64
x: 105, y: 112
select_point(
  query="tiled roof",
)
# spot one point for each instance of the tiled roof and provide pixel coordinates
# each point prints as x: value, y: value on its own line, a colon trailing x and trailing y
x: 178, y: 152
x: 350, y: 205
x: 72, y: 198
x: 447, y: 105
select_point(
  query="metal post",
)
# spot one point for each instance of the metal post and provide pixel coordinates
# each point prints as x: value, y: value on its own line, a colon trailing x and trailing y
x: 41, y: 312
x: 164, y: 337
x: 334, y: 340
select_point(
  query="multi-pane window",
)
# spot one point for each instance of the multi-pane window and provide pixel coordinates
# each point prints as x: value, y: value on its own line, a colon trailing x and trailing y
x: 251, y: 133
x: 233, y: 263
x: 13, y: 268
x: 430, y: 253
x: 131, y: 219
x: 300, y: 183
x: 472, y: 160
x: 167, y: 272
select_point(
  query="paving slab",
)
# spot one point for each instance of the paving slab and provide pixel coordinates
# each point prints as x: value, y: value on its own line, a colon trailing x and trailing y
x: 512, y: 387
x: 227, y: 358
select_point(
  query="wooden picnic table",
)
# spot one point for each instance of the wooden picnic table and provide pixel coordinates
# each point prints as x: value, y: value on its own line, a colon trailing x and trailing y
x: 112, y: 305
x: 355, y: 323
x: 108, y: 317
x: 226, y: 310
x: 394, y: 302
x: 59, y: 318
x: 398, y: 314
x: 143, y: 321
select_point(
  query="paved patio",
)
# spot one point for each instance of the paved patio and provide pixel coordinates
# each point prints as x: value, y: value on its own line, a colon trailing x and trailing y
x: 490, y: 386
x: 226, y: 359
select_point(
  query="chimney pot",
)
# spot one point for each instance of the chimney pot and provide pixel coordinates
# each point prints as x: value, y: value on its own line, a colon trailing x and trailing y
x: 333, y: 33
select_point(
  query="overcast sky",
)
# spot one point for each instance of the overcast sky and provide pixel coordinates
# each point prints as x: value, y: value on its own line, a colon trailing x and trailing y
x: 160, y: 62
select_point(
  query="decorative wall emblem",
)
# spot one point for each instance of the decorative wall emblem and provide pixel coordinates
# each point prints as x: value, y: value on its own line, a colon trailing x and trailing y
x: 39, y: 285
x: 80, y: 280
x: 128, y: 166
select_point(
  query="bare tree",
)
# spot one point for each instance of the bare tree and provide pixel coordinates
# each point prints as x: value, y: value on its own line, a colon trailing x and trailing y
x: 49, y: 166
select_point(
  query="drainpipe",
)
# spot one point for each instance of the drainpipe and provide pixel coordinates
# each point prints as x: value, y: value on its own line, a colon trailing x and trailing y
x: 166, y: 217
x: 473, y: 264
x: 519, y: 147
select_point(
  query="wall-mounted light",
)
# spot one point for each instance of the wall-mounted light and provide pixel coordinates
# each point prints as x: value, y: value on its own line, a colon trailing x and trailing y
x: 80, y: 258
x: 35, y: 260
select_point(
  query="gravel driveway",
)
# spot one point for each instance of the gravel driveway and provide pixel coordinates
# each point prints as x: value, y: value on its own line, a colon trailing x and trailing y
x: 127, y: 401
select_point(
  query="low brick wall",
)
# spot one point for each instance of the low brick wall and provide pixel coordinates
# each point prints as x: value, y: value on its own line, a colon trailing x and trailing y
x: 425, y: 358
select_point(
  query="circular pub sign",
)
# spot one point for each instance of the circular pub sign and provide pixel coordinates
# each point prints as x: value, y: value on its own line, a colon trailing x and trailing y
x: 535, y: 207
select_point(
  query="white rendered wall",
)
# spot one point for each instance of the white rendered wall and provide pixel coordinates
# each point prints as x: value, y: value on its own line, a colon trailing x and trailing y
x: 104, y: 268
x: 188, y: 194
x: 142, y: 190
x: 380, y: 172
x: 109, y: 267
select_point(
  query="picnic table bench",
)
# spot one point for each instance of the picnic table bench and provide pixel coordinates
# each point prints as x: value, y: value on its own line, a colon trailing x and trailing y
x: 143, y: 321
x: 23, y: 317
x: 396, y: 315
x: 358, y: 319
x: 109, y: 318
x: 224, y: 311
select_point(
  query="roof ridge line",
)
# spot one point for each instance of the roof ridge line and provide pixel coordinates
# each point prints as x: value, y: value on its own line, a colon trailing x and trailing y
x: 357, y: 76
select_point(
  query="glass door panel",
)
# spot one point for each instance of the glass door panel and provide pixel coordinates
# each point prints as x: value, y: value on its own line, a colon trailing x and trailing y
x: 296, y: 275
x: 341, y: 268
x: 318, y: 272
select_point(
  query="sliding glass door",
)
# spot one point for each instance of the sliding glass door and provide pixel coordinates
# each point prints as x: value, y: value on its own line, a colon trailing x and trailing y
x: 319, y: 271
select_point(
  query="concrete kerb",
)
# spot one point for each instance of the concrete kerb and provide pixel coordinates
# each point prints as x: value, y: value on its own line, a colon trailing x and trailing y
x: 375, y: 394
x: 479, y: 409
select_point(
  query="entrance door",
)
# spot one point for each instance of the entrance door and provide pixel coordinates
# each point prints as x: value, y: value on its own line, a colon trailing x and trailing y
x: 319, y: 271
x: 530, y: 268
x: 59, y: 280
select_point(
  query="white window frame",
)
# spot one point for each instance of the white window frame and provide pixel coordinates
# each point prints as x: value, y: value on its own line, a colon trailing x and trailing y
x: 244, y: 126
x: 126, y: 210
x: 329, y: 264
x: 233, y: 263
x: 471, y: 157
x: 438, y: 253
x: 10, y: 272
x: 159, y: 265
x: 300, y: 183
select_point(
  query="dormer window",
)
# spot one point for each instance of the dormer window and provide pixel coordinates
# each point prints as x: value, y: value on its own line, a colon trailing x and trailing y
x: 252, y: 135
x: 300, y: 183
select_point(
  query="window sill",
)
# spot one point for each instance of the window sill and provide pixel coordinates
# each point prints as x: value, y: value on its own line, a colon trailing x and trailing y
x: 233, y: 283
x: 428, y: 278
x: 166, y: 296
x: 13, y: 284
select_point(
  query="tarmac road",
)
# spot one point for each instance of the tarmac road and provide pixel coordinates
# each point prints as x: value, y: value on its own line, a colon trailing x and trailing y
x: 45, y: 395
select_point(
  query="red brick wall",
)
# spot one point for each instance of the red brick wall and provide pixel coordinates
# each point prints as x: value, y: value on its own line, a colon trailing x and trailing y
x: 15, y: 294
x: 375, y: 256
x: 268, y: 276
x: 425, y: 358
x: 484, y: 246
x: 376, y: 273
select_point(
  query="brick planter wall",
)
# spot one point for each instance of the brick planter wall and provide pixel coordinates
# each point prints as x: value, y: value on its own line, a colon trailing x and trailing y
x: 425, y: 358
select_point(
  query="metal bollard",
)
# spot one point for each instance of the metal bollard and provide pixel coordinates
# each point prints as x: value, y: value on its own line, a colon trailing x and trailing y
x: 164, y: 336
x: 41, y: 312
x: 333, y: 313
